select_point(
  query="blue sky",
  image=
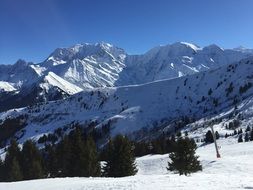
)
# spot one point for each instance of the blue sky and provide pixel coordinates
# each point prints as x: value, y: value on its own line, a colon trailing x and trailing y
x: 32, y: 29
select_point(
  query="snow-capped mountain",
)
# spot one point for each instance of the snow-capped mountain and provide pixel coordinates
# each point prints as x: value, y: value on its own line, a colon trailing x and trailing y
x: 86, y: 66
x: 176, y: 60
x: 153, y: 106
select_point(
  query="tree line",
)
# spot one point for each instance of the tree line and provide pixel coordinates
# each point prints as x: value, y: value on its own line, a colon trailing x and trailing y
x: 76, y: 155
x: 247, y: 136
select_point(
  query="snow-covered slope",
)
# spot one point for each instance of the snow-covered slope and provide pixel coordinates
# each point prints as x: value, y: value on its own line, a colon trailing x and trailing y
x: 233, y: 170
x: 88, y: 66
x: 176, y: 60
x: 6, y: 86
x: 155, y: 105
x: 20, y: 74
x: 54, y: 80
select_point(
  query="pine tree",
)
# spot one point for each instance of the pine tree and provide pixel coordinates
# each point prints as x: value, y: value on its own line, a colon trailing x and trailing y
x: 14, y: 171
x: 247, y: 129
x: 183, y: 159
x: 251, y: 135
x: 240, y: 138
x: 77, y: 156
x: 140, y: 149
x: 31, y: 161
x: 12, y: 163
x: 92, y: 164
x: 51, y: 162
x: 2, y: 171
x: 109, y: 158
x: 246, y: 137
x: 217, y: 135
x: 209, y: 137
x: 64, y: 154
x: 120, y: 161
x: 172, y: 143
x: 179, y: 134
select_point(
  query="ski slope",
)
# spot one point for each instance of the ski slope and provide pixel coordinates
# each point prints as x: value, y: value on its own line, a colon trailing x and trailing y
x: 234, y: 170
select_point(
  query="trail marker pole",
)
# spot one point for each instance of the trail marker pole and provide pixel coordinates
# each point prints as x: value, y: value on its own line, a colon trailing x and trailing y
x: 215, y: 143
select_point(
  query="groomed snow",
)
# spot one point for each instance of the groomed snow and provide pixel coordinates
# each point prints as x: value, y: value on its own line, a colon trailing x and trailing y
x: 233, y: 171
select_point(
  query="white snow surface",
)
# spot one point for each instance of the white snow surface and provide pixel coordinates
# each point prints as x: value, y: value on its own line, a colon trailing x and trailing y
x: 151, y: 105
x: 90, y: 66
x: 6, y: 86
x: 55, y: 80
x: 234, y: 170
x: 102, y: 64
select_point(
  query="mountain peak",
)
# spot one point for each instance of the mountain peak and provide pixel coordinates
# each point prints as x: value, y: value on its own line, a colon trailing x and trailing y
x: 243, y: 49
x: 189, y: 45
x: 21, y: 63
x: 213, y: 47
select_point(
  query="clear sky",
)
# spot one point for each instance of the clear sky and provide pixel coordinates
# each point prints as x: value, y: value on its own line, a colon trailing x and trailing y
x: 32, y: 29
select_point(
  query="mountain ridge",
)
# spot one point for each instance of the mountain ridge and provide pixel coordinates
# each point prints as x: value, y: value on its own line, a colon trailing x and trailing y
x: 87, y: 66
x: 157, y: 106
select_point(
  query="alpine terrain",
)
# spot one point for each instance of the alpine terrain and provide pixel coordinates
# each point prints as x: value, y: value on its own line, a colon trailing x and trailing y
x: 172, y: 92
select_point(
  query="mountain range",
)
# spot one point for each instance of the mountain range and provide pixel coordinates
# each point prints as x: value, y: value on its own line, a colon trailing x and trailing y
x: 67, y: 71
x: 103, y: 89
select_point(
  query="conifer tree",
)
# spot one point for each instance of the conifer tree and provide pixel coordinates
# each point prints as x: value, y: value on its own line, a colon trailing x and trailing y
x: 179, y: 134
x: 209, y: 137
x: 12, y: 163
x: 64, y: 154
x: 14, y: 171
x: 92, y: 164
x: 240, y: 138
x: 251, y: 135
x: 183, y: 159
x: 51, y: 162
x: 141, y: 148
x: 246, y: 137
x: 31, y: 161
x: 120, y: 161
x: 78, y: 156
x: 78, y: 161
x: 217, y: 135
x: 247, y: 129
x: 2, y: 171
x: 108, y: 154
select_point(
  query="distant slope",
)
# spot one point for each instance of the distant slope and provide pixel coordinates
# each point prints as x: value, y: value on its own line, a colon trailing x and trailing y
x: 149, y: 106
